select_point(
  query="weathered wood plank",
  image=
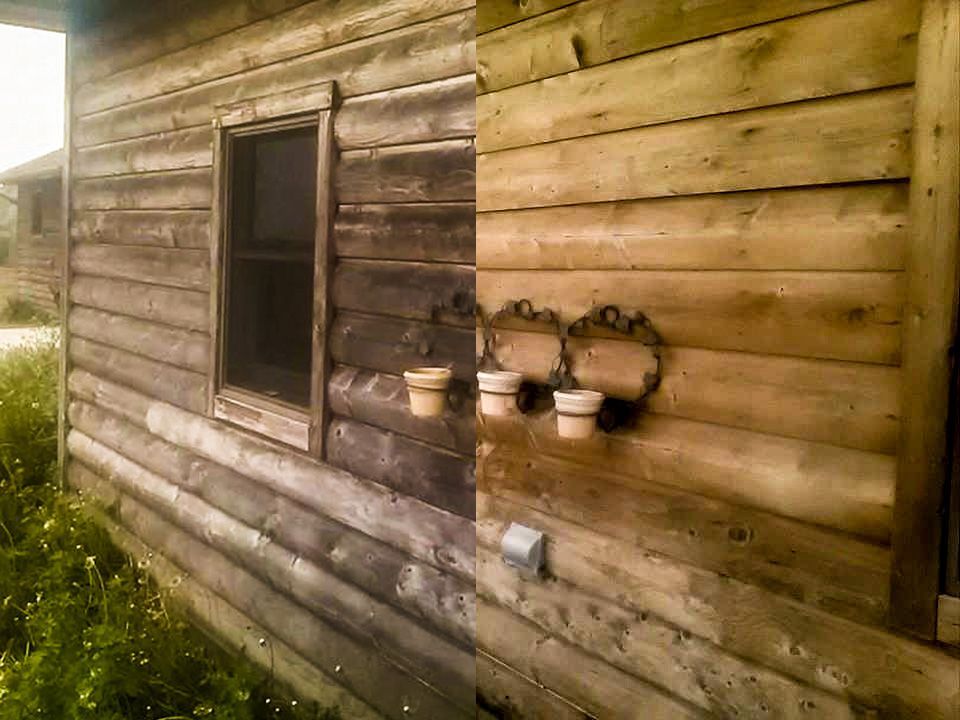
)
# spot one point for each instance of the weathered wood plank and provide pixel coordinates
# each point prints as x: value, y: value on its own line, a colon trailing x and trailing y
x: 826, y: 569
x: 159, y: 29
x: 38, y: 258
x: 420, y: 113
x: 40, y: 275
x: 279, y: 426
x: 44, y: 16
x: 174, y: 385
x: 444, y: 602
x: 228, y: 627
x: 381, y: 400
x: 417, y: 291
x: 598, y: 31
x: 310, y: 28
x: 842, y: 316
x: 854, y: 227
x: 425, y: 172
x: 165, y: 228
x: 587, y: 680
x: 324, y: 258
x: 44, y: 278
x: 492, y: 14
x: 178, y: 190
x: 413, y: 468
x: 507, y: 692
x: 44, y: 285
x: 397, y: 637
x: 44, y: 249
x: 170, y: 306
x: 844, y: 404
x: 44, y: 275
x: 371, y: 676
x: 174, y: 346
x: 218, y: 223
x: 644, y: 646
x: 177, y: 150
x: 440, y: 538
x: 393, y: 346
x: 432, y: 50
x: 868, y: 139
x: 933, y: 258
x: 171, y: 267
x: 855, y: 47
x: 419, y: 231
x: 307, y: 99
x: 872, y: 666
x: 948, y: 620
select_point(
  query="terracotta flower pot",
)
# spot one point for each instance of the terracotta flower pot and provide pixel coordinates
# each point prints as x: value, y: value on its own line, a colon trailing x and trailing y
x: 577, y: 412
x: 498, y: 391
x: 427, y: 387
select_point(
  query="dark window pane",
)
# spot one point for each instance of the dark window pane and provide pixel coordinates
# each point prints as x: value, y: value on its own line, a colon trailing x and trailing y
x: 269, y: 304
x: 36, y: 213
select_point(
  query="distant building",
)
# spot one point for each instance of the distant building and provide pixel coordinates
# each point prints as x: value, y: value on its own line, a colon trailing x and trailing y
x: 36, y: 248
x: 8, y: 220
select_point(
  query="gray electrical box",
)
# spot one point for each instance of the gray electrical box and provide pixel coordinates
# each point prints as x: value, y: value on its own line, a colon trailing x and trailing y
x: 522, y: 548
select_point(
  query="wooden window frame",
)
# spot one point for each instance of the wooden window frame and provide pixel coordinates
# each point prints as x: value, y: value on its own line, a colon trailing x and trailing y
x: 951, y: 580
x: 929, y: 324
x: 948, y: 604
x: 313, y: 105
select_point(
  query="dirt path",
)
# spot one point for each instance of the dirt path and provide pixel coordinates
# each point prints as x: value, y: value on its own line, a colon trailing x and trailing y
x: 13, y: 337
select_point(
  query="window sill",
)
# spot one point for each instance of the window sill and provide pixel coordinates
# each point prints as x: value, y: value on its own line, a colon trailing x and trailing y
x: 277, y: 422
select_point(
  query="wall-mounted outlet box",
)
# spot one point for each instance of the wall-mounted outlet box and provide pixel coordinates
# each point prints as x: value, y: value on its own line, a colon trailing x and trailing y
x: 523, y: 548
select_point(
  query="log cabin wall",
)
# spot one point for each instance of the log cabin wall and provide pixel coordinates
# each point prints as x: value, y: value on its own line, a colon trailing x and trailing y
x: 38, y: 256
x: 352, y: 580
x: 739, y: 172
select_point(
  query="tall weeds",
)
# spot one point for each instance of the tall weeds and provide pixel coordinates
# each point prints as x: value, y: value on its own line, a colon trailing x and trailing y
x: 84, y: 634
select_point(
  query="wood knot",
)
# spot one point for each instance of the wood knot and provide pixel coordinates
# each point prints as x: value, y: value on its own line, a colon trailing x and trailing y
x: 464, y: 302
x: 576, y: 44
x: 740, y: 535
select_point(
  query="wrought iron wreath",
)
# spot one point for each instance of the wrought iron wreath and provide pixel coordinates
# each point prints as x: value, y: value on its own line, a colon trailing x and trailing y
x: 634, y: 325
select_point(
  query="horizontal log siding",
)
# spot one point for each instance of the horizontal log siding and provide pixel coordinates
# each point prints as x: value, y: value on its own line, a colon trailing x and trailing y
x: 231, y: 628
x: 39, y: 257
x: 729, y: 551
x: 348, y: 583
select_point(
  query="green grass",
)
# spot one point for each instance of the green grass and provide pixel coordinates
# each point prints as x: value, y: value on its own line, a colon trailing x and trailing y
x: 84, y: 634
x: 18, y: 312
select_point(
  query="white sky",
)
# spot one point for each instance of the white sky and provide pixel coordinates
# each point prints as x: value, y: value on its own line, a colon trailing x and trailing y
x: 31, y: 93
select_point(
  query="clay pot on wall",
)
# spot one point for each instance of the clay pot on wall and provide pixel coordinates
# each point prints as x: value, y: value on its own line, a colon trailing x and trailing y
x: 427, y: 387
x: 498, y: 391
x: 577, y: 412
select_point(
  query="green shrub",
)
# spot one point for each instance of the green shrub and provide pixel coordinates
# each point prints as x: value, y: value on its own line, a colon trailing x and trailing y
x: 23, y: 312
x: 84, y: 634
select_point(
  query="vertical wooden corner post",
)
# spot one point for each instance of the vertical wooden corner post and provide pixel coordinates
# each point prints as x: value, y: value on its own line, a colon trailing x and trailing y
x: 65, y: 200
x: 930, y: 313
